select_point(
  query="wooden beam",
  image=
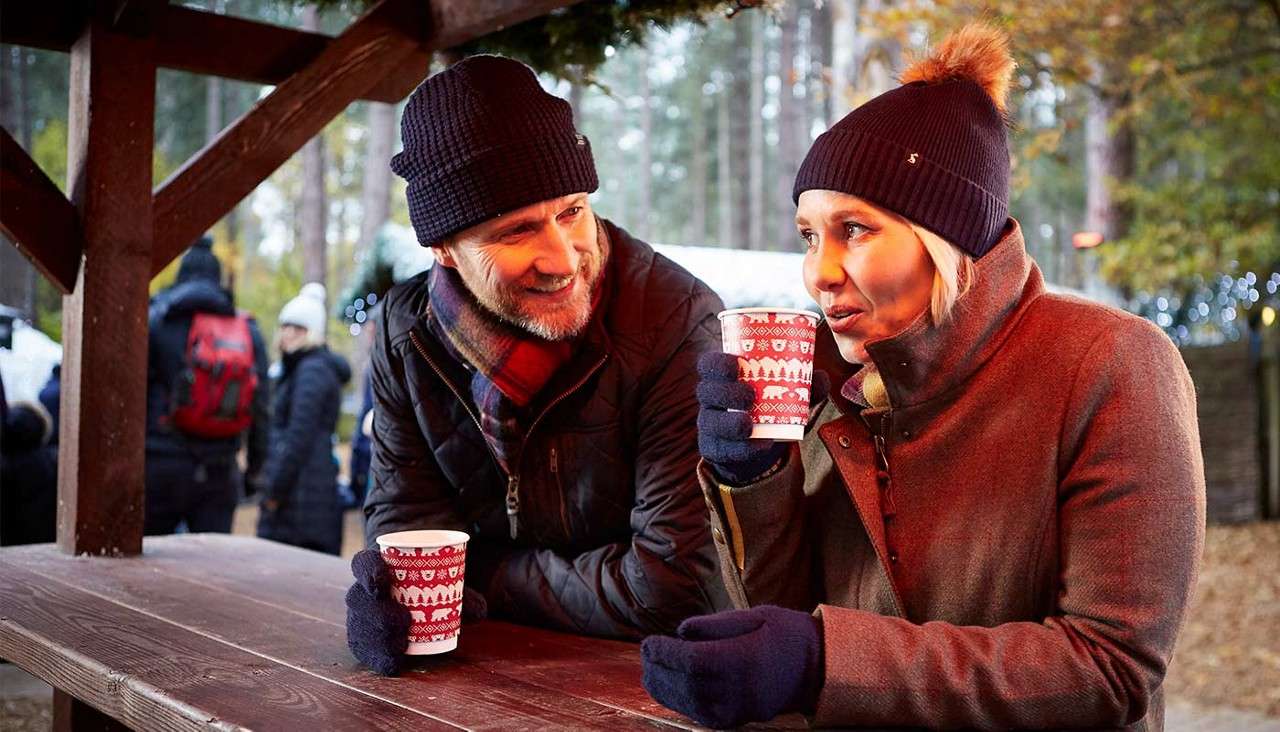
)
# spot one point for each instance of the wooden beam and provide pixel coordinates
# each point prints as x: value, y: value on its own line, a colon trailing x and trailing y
x: 36, y: 217
x: 54, y: 26
x: 195, y: 41
x: 104, y: 320
x: 201, y: 43
x: 229, y: 168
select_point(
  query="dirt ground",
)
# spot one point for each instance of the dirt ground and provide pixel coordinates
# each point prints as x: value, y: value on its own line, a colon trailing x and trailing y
x: 1229, y: 650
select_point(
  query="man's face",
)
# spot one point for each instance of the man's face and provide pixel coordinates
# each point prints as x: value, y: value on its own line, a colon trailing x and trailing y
x: 535, y: 267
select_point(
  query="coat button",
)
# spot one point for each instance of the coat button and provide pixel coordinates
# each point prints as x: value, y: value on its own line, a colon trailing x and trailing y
x: 903, y: 364
x: 844, y: 441
x: 882, y: 477
x: 717, y: 536
x: 905, y: 434
x: 893, y: 557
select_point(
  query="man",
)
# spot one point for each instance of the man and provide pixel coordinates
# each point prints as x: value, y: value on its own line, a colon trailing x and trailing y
x: 535, y: 387
x: 206, y: 391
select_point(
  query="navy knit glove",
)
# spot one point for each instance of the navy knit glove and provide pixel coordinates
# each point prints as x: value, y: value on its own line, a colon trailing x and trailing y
x: 737, y: 666
x: 377, y: 625
x: 724, y: 436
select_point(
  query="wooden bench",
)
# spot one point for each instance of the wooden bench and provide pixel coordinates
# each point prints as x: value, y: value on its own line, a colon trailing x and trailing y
x: 210, y: 631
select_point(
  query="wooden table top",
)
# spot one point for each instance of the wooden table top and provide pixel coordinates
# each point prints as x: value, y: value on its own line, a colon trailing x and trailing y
x: 225, y: 632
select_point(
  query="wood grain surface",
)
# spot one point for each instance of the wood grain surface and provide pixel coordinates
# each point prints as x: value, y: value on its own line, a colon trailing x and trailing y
x: 212, y: 630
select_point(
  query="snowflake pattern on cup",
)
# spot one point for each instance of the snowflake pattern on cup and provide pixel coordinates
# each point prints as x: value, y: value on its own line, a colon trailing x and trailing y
x: 429, y: 582
x: 775, y: 356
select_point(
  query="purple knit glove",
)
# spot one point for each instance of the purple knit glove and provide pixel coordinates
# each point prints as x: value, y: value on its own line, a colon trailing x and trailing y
x: 724, y: 437
x: 737, y: 666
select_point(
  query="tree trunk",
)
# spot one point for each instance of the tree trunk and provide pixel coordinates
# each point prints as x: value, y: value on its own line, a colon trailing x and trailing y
x: 576, y: 88
x: 697, y: 233
x: 1109, y: 161
x: 788, y: 126
x: 375, y: 198
x: 312, y: 218
x: 645, y: 209
x: 724, y: 168
x: 740, y: 114
x: 844, y: 42
x: 213, y: 108
x: 756, y: 214
x: 213, y: 123
x: 820, y: 94
x: 876, y: 60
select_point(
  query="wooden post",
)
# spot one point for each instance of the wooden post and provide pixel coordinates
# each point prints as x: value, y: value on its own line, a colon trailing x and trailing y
x: 69, y: 713
x: 104, y: 321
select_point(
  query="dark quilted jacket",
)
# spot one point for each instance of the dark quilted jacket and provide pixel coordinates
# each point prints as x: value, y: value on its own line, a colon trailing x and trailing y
x: 301, y: 472
x: 613, y: 537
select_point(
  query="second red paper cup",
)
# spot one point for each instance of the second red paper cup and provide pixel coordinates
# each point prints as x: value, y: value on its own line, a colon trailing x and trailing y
x: 775, y: 356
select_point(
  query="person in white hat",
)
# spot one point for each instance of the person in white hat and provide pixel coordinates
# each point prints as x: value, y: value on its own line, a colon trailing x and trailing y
x: 300, y: 503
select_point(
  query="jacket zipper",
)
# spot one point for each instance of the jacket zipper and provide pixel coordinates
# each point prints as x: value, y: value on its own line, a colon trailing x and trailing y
x: 512, y: 494
x: 513, y: 478
x: 564, y: 509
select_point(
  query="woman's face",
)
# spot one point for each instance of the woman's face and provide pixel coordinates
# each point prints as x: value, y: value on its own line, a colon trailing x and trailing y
x: 292, y: 337
x: 864, y: 266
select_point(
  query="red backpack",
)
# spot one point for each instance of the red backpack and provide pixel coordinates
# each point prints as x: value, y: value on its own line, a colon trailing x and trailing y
x: 215, y: 392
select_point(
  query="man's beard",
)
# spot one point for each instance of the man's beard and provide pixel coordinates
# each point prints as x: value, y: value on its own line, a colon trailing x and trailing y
x: 510, y: 303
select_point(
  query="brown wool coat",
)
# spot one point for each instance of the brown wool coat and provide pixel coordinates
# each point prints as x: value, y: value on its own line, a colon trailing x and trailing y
x: 1028, y: 556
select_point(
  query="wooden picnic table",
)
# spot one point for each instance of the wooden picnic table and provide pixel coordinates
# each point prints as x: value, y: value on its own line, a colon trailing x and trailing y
x: 225, y: 632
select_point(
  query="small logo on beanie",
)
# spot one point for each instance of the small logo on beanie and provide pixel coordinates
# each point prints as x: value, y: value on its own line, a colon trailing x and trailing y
x: 582, y: 141
x: 912, y: 158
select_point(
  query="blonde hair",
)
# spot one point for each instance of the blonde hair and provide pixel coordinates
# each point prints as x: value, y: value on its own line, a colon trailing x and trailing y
x: 952, y: 273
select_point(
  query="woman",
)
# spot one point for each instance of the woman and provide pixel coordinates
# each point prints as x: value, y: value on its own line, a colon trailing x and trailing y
x: 996, y: 520
x: 300, y: 504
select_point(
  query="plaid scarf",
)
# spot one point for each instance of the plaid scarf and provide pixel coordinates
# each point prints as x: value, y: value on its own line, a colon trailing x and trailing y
x: 510, y: 365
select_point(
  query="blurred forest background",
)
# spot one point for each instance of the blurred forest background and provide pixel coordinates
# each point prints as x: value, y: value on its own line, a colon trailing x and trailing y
x: 1148, y: 125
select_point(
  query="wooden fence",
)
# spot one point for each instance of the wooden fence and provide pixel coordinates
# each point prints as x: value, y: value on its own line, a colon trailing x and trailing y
x: 1238, y: 400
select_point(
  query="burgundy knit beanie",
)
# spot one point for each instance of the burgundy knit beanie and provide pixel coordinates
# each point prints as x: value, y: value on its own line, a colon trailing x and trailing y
x: 934, y: 150
x: 481, y: 138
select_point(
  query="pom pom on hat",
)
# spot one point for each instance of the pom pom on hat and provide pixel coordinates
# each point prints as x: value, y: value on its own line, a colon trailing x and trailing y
x: 313, y: 290
x: 977, y: 52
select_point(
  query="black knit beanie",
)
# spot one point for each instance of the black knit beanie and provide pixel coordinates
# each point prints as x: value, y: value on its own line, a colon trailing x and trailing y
x: 199, y: 262
x: 933, y: 150
x: 481, y: 138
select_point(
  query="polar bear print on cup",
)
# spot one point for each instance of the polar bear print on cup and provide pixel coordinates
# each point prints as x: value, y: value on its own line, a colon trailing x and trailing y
x: 775, y: 392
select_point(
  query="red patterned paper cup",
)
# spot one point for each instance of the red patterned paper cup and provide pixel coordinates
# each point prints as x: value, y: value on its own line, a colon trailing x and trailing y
x: 427, y: 569
x: 775, y: 356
